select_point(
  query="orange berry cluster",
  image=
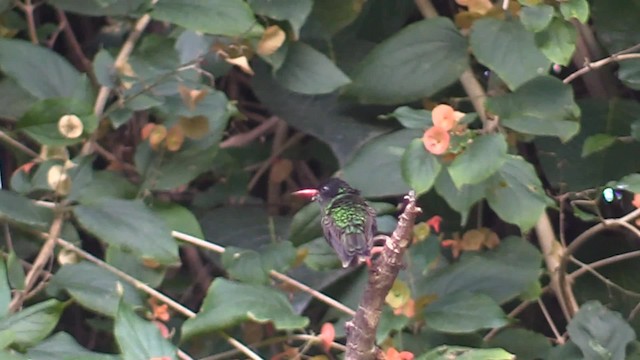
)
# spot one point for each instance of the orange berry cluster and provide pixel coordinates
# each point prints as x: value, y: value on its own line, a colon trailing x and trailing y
x: 437, y: 138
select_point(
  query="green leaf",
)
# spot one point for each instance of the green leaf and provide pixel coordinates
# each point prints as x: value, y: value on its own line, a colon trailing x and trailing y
x: 216, y: 17
x: 94, y: 288
x: 524, y: 344
x: 599, y: 332
x: 516, y: 194
x: 103, y: 66
x: 131, y: 226
x: 178, y: 218
x: 252, y: 266
x: 320, y: 255
x: 419, y: 167
x: 542, y: 106
x: 479, y: 161
x: 307, y: 71
x: 536, y: 18
x: 14, y: 100
x: 100, y: 185
x: 432, y: 48
x: 459, y: 199
x: 390, y: 323
x: 558, y: 41
x: 132, y: 264
x: 630, y: 182
x: 5, y: 289
x: 15, y: 271
x: 328, y: 17
x: 62, y: 346
x: 412, y: 118
x: 19, y: 209
x: 578, y: 9
x: 629, y: 73
x: 295, y: 12
x: 464, y: 312
x: 305, y: 225
x: 140, y: 339
x: 597, y: 142
x: 508, y: 49
x: 99, y: 7
x: 228, y: 303
x: 32, y: 324
x: 382, y: 155
x: 502, y: 273
x: 446, y: 352
x: 40, y: 71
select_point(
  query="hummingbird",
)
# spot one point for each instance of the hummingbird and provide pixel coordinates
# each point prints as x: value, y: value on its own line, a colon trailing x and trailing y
x: 348, y: 221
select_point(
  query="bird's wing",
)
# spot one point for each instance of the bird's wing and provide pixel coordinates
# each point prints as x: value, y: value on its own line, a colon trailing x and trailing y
x: 333, y: 235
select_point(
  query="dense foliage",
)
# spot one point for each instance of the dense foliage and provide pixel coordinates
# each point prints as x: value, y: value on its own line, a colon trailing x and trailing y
x: 150, y: 147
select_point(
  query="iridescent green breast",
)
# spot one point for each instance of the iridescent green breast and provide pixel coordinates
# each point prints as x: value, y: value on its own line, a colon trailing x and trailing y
x: 347, y: 214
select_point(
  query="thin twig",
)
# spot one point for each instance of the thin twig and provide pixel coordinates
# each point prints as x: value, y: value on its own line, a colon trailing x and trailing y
x: 604, y: 279
x: 619, y: 56
x: 552, y: 325
x: 276, y: 340
x: 18, y: 145
x: 265, y: 165
x: 27, y: 7
x: 604, y: 262
x: 75, y: 47
x: 275, y: 274
x: 247, y: 137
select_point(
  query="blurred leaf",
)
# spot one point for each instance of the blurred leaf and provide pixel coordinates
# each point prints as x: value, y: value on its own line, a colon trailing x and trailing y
x: 320, y: 255
x: 501, y: 273
x: 419, y: 167
x: 629, y: 73
x: 15, y: 271
x: 62, y: 346
x: 252, y: 266
x: 630, y: 182
x: 305, y: 225
x: 94, y: 288
x: 100, y: 185
x: 446, y: 352
x: 388, y: 74
x: 542, y: 106
x: 40, y: 71
x: 328, y: 17
x: 32, y: 324
x: 5, y: 289
x: 295, y: 12
x: 140, y: 339
x: 382, y: 155
x: 412, y: 118
x: 19, y: 209
x: 131, y: 226
x: 132, y: 264
x: 597, y: 142
x: 228, y: 303
x: 516, y: 194
x: 536, y: 18
x: 104, y: 68
x: 14, y: 100
x: 464, y: 312
x: 568, y: 351
x: 508, y: 49
x: 389, y: 323
x: 217, y: 17
x: 308, y: 71
x: 599, y: 332
x: 99, y: 7
x: 524, y: 344
x: 459, y: 199
x: 557, y: 41
x: 482, y: 158
x: 578, y: 9
x: 178, y: 218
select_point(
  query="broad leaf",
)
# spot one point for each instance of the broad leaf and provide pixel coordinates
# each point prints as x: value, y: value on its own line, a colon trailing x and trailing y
x: 599, y: 332
x: 630, y: 182
x: 381, y: 155
x: 295, y: 12
x: 229, y: 303
x: 479, y: 161
x: 305, y: 225
x: 253, y: 266
x: 308, y: 71
x: 508, y: 49
x: 32, y: 324
x: 536, y: 18
x: 140, y: 339
x: 328, y: 17
x: 412, y: 118
x: 217, y: 17
x: 5, y: 289
x: 516, y: 194
x: 597, y: 142
x: 558, y: 41
x: 542, y: 106
x: 99, y: 7
x: 432, y: 48
x: 578, y: 9
x: 178, y: 218
x: 62, y: 346
x: 464, y: 312
x: 19, y: 209
x: 419, y: 167
x: 14, y: 100
x: 459, y: 199
x: 524, y: 344
x: 446, y: 352
x: 131, y: 226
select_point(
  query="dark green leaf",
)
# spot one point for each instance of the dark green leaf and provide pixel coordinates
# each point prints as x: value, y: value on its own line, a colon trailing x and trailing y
x: 5, y: 289
x: 558, y: 41
x: 15, y: 271
x: 479, y: 161
x: 140, y: 339
x: 536, y: 18
x: 14, y: 100
x: 229, y: 303
x: 412, y: 118
x: 568, y: 351
x: 464, y: 312
x: 178, y: 218
x: 131, y: 226
x: 516, y: 194
x: 524, y: 344
x: 132, y: 264
x: 99, y: 7
x: 459, y: 199
x: 305, y: 225
x: 94, y: 288
x: 542, y: 106
x: 419, y: 167
x: 295, y: 12
x: 578, y: 9
x: 19, y: 209
x: 629, y: 73
x: 100, y: 185
x: 390, y: 323
x: 328, y: 17
x: 432, y: 48
x: 597, y: 142
x: 630, y: 182
x: 307, y: 71
x: 244, y: 265
x: 32, y: 324
x: 62, y: 346
x: 381, y: 155
x: 446, y: 352
x: 508, y: 49
x: 599, y: 332
x: 320, y: 256
x: 217, y: 17
x: 502, y: 273
x: 104, y: 69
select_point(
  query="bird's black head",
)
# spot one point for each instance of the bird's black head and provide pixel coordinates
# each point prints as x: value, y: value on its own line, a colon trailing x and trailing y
x: 334, y: 187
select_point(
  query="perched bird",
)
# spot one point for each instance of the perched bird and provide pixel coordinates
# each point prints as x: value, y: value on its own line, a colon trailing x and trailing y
x: 348, y: 222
